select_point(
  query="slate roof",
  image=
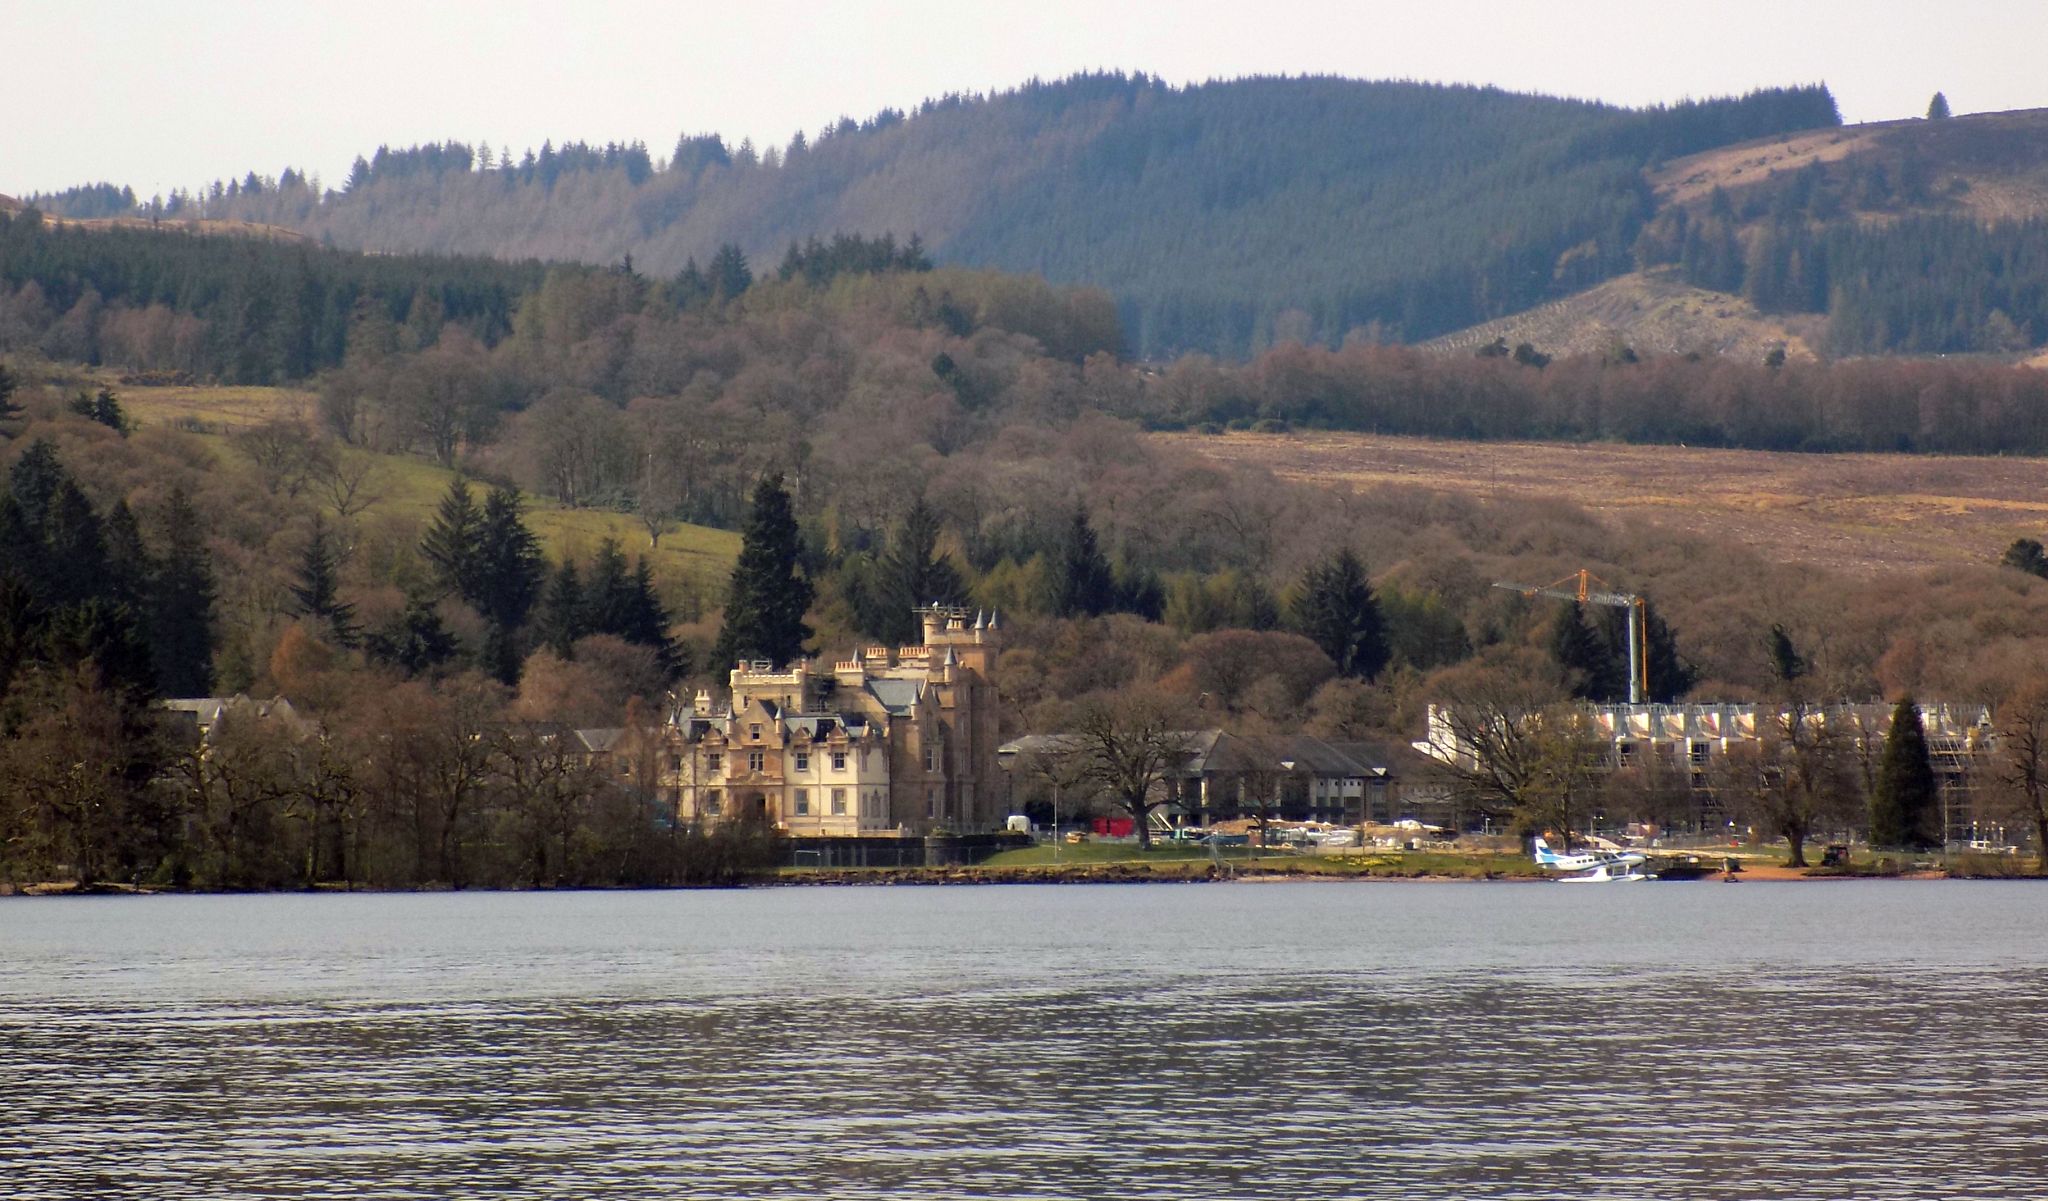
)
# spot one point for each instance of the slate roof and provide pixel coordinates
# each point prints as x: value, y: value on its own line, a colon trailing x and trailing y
x: 898, y: 697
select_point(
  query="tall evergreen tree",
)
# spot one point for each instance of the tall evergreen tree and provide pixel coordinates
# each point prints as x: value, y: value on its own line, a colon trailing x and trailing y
x: 130, y: 566
x: 1787, y: 664
x: 607, y: 595
x: 768, y: 596
x: 450, y: 543
x: 624, y: 603
x: 181, y: 612
x: 729, y: 274
x: 647, y: 622
x: 1587, y: 658
x: 8, y: 386
x: 34, y: 481
x: 562, y: 620
x: 1083, y: 585
x: 1937, y: 108
x: 1905, y: 805
x: 509, y: 572
x: 913, y: 573
x: 75, y: 549
x: 416, y: 640
x: 317, y: 588
x: 1671, y: 676
x: 1335, y: 609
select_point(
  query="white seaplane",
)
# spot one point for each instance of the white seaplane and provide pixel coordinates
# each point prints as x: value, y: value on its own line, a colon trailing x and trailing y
x: 1591, y: 867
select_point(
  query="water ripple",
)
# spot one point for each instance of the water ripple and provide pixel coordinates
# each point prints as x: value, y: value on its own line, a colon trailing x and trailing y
x: 1881, y: 1042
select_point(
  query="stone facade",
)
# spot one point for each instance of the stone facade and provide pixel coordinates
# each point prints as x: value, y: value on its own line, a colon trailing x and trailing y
x: 895, y: 741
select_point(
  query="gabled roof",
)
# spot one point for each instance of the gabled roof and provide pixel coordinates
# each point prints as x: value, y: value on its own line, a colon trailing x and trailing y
x: 599, y: 740
x: 897, y: 697
x: 204, y: 712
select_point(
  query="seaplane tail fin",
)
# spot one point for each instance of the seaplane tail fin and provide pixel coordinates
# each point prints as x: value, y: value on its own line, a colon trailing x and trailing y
x: 1543, y: 854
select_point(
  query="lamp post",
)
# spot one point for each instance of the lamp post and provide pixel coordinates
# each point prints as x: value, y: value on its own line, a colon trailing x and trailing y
x: 1280, y: 790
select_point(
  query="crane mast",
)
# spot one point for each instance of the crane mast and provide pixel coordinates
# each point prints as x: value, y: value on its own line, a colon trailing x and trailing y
x: 1578, y: 587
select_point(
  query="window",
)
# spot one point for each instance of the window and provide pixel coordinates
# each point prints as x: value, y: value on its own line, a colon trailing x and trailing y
x: 712, y: 761
x: 931, y: 758
x: 931, y: 802
x: 754, y: 733
x: 803, y: 761
x: 803, y: 802
x: 675, y: 763
x: 839, y: 802
x: 711, y: 803
x: 756, y: 761
x: 838, y: 760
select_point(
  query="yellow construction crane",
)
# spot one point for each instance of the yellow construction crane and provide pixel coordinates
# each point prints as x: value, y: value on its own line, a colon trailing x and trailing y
x: 1579, y: 587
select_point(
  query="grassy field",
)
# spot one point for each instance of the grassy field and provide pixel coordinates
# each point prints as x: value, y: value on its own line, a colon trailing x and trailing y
x: 1866, y: 514
x: 694, y: 557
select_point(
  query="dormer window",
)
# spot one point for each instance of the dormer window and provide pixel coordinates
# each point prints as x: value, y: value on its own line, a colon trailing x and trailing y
x: 754, y: 733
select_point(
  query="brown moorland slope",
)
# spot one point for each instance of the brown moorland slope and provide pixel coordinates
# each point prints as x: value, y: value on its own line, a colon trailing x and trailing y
x: 1653, y: 312
x: 1866, y: 514
x: 2001, y: 160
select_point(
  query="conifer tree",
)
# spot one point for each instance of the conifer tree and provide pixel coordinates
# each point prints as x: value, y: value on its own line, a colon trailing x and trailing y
x: 34, y: 481
x: 75, y: 549
x: 624, y: 603
x: 1335, y: 609
x: 129, y: 564
x: 318, y: 584
x: 181, y: 614
x: 1937, y: 108
x: 1787, y: 665
x: 450, y: 543
x: 1587, y: 659
x: 729, y: 274
x: 8, y: 386
x: 913, y: 573
x: 647, y: 622
x: 417, y: 641
x: 768, y: 596
x: 1082, y: 583
x: 562, y: 619
x: 1905, y: 810
x: 509, y: 571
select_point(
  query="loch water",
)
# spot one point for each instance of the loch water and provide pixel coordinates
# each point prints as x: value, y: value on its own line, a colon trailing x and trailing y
x: 1839, y: 1039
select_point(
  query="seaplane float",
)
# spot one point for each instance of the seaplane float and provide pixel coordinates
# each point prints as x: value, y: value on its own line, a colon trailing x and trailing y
x: 1591, y: 867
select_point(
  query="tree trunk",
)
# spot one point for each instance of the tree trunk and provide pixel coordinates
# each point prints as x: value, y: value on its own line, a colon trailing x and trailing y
x: 1140, y: 817
x: 1797, y: 839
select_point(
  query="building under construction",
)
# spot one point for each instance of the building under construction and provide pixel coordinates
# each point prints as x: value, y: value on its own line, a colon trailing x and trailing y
x: 1693, y: 737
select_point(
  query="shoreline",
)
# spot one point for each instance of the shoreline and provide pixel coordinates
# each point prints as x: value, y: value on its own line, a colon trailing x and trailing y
x: 1107, y: 873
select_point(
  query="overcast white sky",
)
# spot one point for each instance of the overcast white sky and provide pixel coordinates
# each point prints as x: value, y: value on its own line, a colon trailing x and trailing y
x: 156, y: 94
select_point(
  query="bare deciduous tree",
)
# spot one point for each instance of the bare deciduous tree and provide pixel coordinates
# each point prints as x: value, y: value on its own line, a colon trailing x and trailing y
x: 1127, y: 743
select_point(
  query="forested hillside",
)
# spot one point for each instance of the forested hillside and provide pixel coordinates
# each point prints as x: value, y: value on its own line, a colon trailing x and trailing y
x: 1223, y: 217
x: 929, y: 433
x: 1913, y: 237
